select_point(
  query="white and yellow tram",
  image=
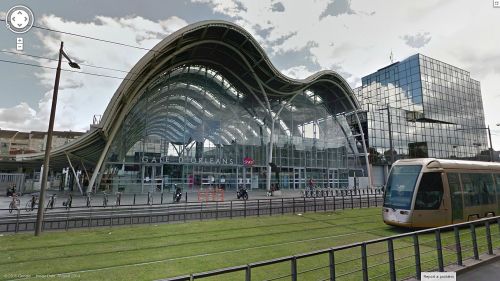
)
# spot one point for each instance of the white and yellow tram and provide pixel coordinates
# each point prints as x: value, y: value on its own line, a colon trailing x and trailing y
x: 430, y: 192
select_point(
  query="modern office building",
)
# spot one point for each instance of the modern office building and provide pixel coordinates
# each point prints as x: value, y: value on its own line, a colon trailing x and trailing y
x: 206, y: 108
x: 421, y: 107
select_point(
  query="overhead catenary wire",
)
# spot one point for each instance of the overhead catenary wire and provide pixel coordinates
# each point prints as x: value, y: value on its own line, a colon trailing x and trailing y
x: 67, y: 70
x: 53, y: 59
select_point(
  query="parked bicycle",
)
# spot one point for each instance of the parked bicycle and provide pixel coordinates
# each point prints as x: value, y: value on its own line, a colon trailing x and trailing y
x: 14, y: 203
x: 31, y: 204
x: 51, y: 202
x: 68, y: 202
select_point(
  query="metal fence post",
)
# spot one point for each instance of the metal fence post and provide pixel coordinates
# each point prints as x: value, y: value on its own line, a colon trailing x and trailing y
x: 185, y: 211
x: 376, y: 202
x: 439, y: 250
x: 331, y: 255
x: 130, y: 214
x: 343, y: 199
x: 368, y: 200
x: 293, y: 205
x: 352, y: 202
x: 294, y: 268
x: 161, y: 201
x: 231, y: 209
x: 324, y: 204
x: 134, y: 199
x: 416, y: 248
x: 458, y: 246
x: 17, y: 220
x: 392, y: 266
x: 314, y: 204
x: 304, y: 205
x: 244, y: 208
x: 270, y: 207
x: 364, y: 262
x: 498, y: 223
x: 334, y: 203
x: 488, y: 238
x: 201, y: 210
x: 474, y: 241
x: 258, y: 207
x: 282, y: 207
x: 67, y: 218
x: 248, y: 273
x: 216, y: 210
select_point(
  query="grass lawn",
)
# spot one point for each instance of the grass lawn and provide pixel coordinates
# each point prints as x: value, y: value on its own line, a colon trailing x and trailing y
x: 148, y: 252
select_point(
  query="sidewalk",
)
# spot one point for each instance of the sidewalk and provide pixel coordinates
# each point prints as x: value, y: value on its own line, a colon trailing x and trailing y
x: 128, y: 199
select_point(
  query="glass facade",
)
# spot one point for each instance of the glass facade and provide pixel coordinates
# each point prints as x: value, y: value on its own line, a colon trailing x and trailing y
x: 422, y: 107
x: 193, y: 128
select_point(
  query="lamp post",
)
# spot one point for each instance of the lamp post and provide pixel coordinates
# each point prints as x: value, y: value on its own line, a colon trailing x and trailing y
x: 489, y: 136
x: 48, y: 145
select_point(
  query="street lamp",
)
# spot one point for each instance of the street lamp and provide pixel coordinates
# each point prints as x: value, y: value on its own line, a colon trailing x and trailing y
x: 48, y: 145
x: 489, y: 136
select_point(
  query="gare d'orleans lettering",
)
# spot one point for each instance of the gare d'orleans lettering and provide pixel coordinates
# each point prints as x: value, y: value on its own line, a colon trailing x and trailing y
x: 192, y: 160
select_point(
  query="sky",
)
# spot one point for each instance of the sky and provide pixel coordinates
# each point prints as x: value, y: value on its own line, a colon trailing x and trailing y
x: 352, y: 37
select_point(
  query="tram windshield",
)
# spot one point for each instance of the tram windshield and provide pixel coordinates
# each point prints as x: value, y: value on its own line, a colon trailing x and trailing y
x: 400, y: 186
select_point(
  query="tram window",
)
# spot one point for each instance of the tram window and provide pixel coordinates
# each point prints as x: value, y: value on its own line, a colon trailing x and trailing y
x: 470, y: 193
x: 430, y: 192
x: 456, y: 196
x: 478, y: 188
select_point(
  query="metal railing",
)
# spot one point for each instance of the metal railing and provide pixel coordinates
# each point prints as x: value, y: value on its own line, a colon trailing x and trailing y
x: 390, y: 258
x: 96, y: 216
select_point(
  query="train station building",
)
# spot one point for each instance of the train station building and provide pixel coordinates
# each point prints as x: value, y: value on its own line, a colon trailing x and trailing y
x: 204, y: 108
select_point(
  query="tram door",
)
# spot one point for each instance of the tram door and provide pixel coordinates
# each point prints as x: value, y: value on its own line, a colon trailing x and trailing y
x: 432, y: 205
x: 152, y: 178
x: 299, y: 178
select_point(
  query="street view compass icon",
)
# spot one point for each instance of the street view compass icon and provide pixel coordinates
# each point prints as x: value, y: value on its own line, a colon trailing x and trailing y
x: 19, y: 19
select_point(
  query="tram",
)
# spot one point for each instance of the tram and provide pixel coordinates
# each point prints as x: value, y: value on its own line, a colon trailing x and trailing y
x: 429, y: 192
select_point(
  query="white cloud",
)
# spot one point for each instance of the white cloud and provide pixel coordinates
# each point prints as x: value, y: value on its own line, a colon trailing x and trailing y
x: 357, y: 39
x: 82, y: 96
